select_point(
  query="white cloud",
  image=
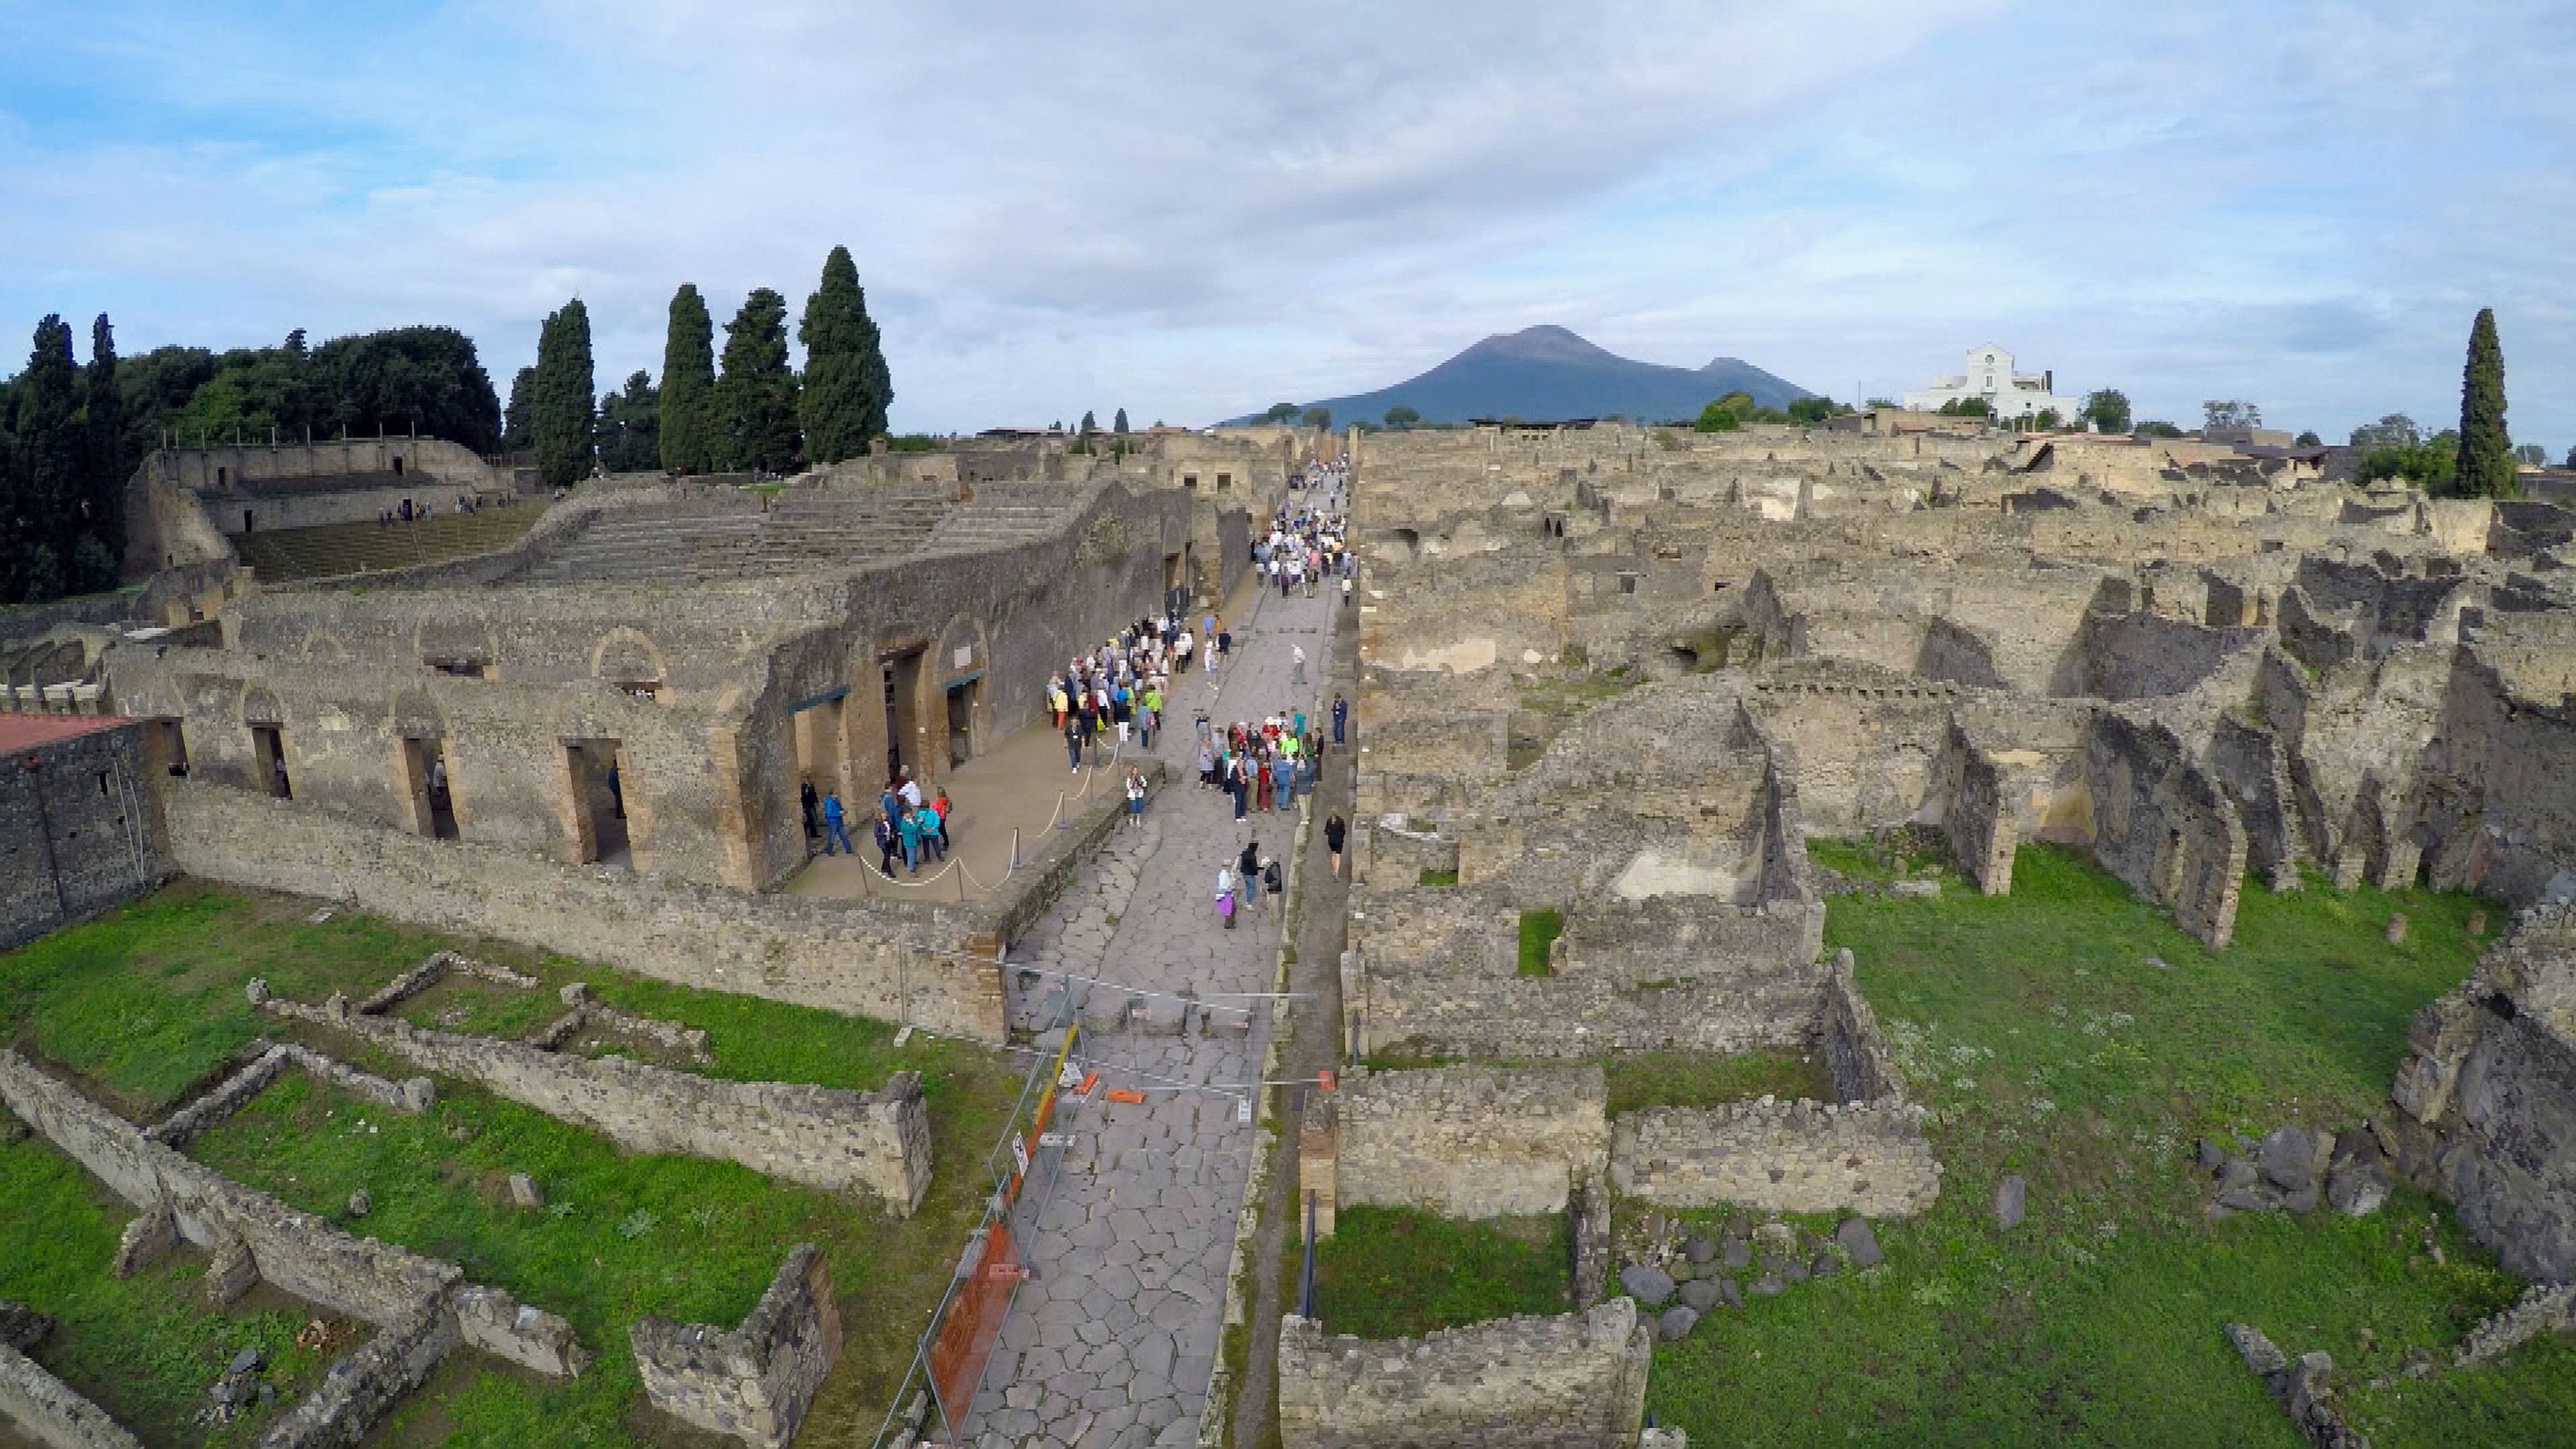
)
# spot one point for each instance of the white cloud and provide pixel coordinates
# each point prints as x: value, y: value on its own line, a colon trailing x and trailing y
x: 1192, y: 209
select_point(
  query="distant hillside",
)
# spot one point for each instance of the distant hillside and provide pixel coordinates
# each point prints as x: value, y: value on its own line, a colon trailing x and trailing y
x: 1547, y: 373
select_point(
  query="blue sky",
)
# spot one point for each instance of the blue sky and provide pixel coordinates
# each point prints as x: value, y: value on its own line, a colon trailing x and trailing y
x: 1192, y: 210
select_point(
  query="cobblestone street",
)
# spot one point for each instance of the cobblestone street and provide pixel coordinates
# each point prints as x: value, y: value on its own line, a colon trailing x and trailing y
x: 1114, y: 1339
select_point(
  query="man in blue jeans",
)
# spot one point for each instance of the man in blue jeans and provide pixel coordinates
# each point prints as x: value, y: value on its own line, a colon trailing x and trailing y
x: 836, y: 834
x: 1341, y: 715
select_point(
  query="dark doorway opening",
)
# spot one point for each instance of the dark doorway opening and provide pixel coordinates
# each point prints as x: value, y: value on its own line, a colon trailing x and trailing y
x: 268, y: 747
x: 902, y: 693
x: 599, y: 801
x: 247, y: 520
x: 425, y: 777
x: 963, y: 697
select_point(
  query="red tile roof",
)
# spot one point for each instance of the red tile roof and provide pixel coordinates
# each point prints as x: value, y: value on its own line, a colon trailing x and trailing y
x: 25, y: 731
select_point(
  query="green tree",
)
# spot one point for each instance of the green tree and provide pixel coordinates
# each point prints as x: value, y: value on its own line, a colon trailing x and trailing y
x: 2107, y: 409
x: 2485, y: 468
x: 688, y: 426
x: 2157, y: 428
x: 1118, y: 424
x: 2229, y: 413
x: 2431, y: 464
x: 38, y: 522
x: 1967, y: 407
x: 630, y: 426
x: 425, y: 380
x: 562, y: 407
x: 514, y: 418
x: 1280, y: 413
x: 1401, y: 416
x: 2309, y: 439
x: 2396, y: 430
x: 839, y: 403
x: 755, y: 395
x: 2047, y: 420
x: 104, y: 466
x: 1809, y: 411
x: 1316, y: 417
x: 1888, y: 403
x: 1090, y: 422
x: 1717, y: 417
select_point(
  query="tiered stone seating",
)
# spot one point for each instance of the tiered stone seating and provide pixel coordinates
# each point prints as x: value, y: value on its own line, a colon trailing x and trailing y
x: 334, y: 549
x: 1004, y: 514
x: 798, y: 534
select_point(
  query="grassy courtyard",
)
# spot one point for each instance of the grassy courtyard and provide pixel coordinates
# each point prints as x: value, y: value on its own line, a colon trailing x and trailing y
x: 2070, y: 1033
x: 148, y: 1001
x: 1391, y: 1272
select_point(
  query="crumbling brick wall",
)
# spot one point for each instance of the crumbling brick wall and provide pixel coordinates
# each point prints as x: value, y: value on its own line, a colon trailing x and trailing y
x: 2488, y: 1093
x: 2163, y: 825
x: 1802, y: 1157
x: 754, y: 1381
x: 1471, y: 1141
x: 877, y: 1142
x: 1577, y: 1381
x: 78, y: 833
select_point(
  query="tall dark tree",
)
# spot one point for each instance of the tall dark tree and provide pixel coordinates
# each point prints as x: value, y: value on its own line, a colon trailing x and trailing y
x: 755, y: 395
x: 1090, y: 422
x: 514, y: 418
x: 688, y: 428
x: 425, y: 380
x: 560, y: 398
x: 2486, y: 468
x: 104, y: 466
x: 44, y: 483
x: 1118, y: 424
x: 840, y: 403
x: 630, y: 426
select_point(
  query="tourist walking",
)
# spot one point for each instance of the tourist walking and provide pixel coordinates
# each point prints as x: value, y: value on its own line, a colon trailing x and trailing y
x: 836, y: 836
x: 910, y: 829
x: 1247, y: 868
x: 805, y: 802
x: 1341, y: 716
x: 939, y: 807
x: 1336, y: 830
x: 1073, y: 733
x: 1296, y: 664
x: 888, y: 842
x: 1225, y: 896
x: 1135, y: 796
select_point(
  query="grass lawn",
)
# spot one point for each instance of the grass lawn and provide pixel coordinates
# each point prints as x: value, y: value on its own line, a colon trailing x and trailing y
x: 2070, y: 1033
x: 1539, y: 930
x: 144, y: 1348
x: 148, y: 1000
x: 1391, y: 1272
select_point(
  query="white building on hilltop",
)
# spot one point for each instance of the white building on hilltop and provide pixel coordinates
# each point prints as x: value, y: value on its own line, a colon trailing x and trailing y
x: 1990, y: 376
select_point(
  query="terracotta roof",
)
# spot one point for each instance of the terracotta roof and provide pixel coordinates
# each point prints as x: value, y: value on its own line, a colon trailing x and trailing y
x: 25, y: 731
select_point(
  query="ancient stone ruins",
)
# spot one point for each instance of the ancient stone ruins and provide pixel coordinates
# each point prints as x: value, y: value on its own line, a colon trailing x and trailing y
x: 1606, y: 683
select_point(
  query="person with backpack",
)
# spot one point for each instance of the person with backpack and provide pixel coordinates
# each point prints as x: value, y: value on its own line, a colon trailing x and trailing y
x: 934, y: 841
x: 1274, y: 881
x: 1248, y: 869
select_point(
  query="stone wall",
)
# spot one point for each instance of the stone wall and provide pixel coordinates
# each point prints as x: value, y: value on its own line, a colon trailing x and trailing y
x: 297, y: 1252
x: 843, y: 956
x: 1978, y: 818
x: 1471, y: 1141
x: 1802, y: 1157
x: 877, y: 1142
x: 755, y: 1381
x: 2488, y: 1090
x: 1572, y: 1382
x: 1856, y: 1057
x: 267, y: 1062
x: 2163, y: 825
x: 78, y: 833
x: 363, y: 1385
x: 49, y: 1413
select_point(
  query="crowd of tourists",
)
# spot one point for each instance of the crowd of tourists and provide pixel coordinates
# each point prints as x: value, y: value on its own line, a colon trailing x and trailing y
x: 1116, y: 696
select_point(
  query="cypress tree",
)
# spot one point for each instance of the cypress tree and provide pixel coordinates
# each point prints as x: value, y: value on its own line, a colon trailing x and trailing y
x: 839, y: 411
x: 1118, y: 424
x: 755, y: 395
x: 1090, y: 422
x: 43, y: 514
x: 562, y: 403
x: 872, y: 371
x: 95, y: 552
x: 688, y: 385
x: 2486, y: 467
x: 514, y: 418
